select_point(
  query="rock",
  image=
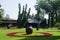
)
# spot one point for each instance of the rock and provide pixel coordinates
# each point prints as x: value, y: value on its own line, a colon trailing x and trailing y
x: 29, y: 30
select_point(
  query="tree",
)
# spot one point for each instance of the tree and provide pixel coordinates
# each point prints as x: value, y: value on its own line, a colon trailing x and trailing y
x: 7, y: 17
x: 28, y: 14
x: 37, y: 17
x: 25, y: 15
x: 22, y: 17
x: 49, y: 6
x: 19, y: 16
x: 58, y: 17
x: 54, y: 7
x: 1, y: 14
x: 40, y: 5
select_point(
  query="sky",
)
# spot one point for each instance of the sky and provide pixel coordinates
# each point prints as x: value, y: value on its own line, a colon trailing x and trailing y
x: 11, y: 7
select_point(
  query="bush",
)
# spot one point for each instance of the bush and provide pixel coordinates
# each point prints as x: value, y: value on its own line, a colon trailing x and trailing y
x: 29, y: 30
x: 57, y: 24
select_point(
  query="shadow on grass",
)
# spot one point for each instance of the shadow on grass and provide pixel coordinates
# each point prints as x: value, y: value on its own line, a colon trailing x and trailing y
x: 25, y: 34
x: 42, y: 38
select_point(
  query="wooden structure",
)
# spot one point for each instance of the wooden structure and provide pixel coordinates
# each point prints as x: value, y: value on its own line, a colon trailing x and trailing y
x: 35, y: 22
x: 7, y: 22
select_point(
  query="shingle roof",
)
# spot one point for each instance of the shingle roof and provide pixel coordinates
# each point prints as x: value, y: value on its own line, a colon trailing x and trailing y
x: 33, y: 20
x: 9, y: 21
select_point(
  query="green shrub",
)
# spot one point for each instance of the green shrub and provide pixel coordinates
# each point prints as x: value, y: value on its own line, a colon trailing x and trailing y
x: 57, y: 24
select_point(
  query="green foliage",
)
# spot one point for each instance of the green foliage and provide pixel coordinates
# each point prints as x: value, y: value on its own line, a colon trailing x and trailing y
x: 57, y: 24
x: 22, y: 17
x: 1, y: 14
x: 19, y: 16
x: 29, y: 12
x: 7, y: 17
x: 58, y: 17
x: 49, y: 6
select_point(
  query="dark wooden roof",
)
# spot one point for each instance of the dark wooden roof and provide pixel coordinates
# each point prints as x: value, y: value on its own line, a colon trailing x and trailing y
x: 9, y: 21
x: 33, y: 20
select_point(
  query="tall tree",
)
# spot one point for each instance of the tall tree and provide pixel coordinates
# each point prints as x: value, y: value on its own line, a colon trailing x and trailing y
x: 22, y: 17
x: 50, y: 6
x: 37, y: 15
x: 55, y: 5
x: 25, y: 15
x: 28, y: 14
x: 19, y: 16
x: 1, y: 14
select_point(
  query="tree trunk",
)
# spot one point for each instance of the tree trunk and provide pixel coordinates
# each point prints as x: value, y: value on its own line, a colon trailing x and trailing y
x: 49, y: 21
x: 56, y: 17
x: 52, y: 19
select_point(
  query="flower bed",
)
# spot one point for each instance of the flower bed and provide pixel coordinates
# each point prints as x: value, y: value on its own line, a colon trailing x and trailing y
x: 46, y: 34
x: 13, y: 34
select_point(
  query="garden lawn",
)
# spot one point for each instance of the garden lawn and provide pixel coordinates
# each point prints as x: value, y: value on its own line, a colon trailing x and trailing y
x: 23, y: 36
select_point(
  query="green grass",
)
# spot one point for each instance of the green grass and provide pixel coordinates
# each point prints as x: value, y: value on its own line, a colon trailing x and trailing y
x: 54, y: 31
